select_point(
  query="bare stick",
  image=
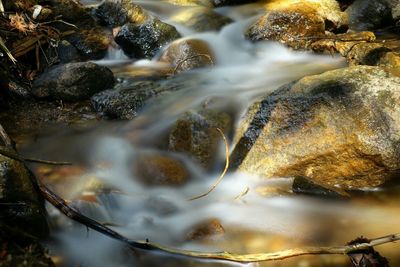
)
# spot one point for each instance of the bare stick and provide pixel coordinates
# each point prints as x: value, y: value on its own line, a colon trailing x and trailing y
x: 243, y: 193
x: 9, y: 152
x: 61, y: 205
x: 222, y: 174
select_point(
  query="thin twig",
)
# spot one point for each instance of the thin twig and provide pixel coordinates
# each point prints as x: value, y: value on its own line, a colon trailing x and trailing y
x: 10, y: 153
x: 222, y: 174
x: 243, y: 193
x: 192, y: 57
x: 61, y: 21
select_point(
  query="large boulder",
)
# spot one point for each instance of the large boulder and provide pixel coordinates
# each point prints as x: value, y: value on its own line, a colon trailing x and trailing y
x: 144, y: 40
x: 201, y: 19
x: 73, y: 81
x: 298, y: 24
x: 339, y: 128
x: 187, y: 54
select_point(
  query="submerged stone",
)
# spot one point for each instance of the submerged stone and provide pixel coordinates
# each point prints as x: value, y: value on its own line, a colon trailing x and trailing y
x: 160, y: 170
x: 195, y: 134
x: 304, y: 186
x: 125, y: 101
x: 339, y: 128
x: 205, y: 230
x: 201, y: 19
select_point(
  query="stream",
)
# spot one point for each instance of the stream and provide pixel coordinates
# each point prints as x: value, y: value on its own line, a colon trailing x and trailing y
x: 249, y: 214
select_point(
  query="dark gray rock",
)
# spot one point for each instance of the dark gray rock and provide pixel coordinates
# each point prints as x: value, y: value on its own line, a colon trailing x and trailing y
x: 125, y: 101
x: 88, y: 38
x: 369, y: 15
x: 67, y: 53
x: 145, y: 40
x: 73, y: 81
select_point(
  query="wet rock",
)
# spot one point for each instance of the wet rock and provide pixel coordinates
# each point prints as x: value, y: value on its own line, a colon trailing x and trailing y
x: 111, y: 13
x: 338, y: 128
x: 73, y: 81
x: 298, y: 24
x: 22, y: 209
x: 205, y: 230
x: 289, y: 27
x: 358, y: 48
x: 91, y: 43
x: 369, y: 15
x: 68, y: 53
x: 304, y: 186
x: 90, y: 40
x: 201, y: 19
x: 391, y: 62
x: 17, y: 90
x: 125, y: 101
x: 195, y: 134
x: 146, y: 39
x: 187, y: 54
x: 71, y: 12
x: 160, y: 170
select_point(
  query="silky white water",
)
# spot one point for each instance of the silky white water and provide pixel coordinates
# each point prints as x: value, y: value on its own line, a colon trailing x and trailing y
x: 254, y: 222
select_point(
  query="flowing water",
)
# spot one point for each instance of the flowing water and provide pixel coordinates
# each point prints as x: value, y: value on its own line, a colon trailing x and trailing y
x: 102, y: 184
